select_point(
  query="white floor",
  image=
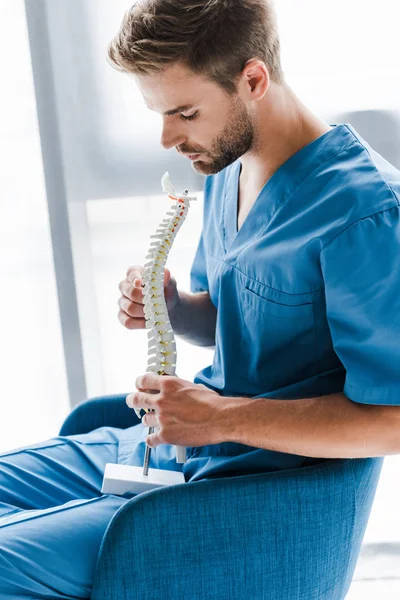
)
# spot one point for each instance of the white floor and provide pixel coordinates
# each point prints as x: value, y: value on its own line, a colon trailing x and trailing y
x: 372, y: 590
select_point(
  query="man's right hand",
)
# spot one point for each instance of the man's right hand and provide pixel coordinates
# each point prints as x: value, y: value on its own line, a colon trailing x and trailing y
x: 131, y: 313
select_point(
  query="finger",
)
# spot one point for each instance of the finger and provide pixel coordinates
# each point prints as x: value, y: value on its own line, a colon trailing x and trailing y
x: 132, y: 309
x: 150, y: 420
x: 141, y: 400
x: 134, y: 271
x: 149, y: 381
x: 132, y: 291
x: 129, y: 322
x: 153, y: 440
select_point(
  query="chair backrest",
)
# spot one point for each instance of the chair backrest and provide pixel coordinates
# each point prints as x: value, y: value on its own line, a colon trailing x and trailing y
x: 286, y: 535
x: 380, y: 128
x: 110, y: 410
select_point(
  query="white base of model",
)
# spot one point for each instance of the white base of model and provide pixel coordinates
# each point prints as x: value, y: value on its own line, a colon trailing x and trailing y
x: 119, y: 479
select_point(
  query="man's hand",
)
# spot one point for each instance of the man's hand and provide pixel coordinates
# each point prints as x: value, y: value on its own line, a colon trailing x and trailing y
x: 131, y: 302
x: 187, y: 414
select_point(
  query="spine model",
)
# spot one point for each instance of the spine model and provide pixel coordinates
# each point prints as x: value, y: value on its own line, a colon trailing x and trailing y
x: 161, y: 340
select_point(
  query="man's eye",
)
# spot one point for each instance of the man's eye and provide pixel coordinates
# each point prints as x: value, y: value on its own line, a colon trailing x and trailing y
x: 190, y: 117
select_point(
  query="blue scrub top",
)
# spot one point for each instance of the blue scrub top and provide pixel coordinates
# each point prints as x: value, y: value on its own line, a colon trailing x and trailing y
x: 308, y: 291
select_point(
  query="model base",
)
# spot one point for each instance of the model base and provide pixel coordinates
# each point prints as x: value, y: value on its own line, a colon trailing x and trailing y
x: 119, y: 479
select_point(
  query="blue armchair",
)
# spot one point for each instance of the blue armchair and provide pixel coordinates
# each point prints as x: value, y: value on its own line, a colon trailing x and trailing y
x: 285, y: 535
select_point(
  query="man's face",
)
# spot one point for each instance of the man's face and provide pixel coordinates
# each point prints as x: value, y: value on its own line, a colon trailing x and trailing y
x: 221, y: 130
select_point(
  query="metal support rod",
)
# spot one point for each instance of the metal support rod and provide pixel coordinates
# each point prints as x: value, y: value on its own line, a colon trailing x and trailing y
x: 147, y: 455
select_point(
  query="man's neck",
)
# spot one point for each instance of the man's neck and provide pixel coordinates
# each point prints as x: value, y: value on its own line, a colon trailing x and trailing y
x: 283, y: 126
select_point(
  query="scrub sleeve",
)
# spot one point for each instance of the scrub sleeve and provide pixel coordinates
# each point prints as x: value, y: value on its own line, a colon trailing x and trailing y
x: 361, y: 269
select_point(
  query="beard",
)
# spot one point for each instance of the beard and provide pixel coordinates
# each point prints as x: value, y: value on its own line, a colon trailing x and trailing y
x: 232, y: 142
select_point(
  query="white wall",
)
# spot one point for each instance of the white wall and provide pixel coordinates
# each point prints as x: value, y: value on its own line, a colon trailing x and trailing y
x: 33, y: 393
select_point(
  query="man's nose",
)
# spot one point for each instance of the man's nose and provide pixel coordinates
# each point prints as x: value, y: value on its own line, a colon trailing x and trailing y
x: 171, y: 136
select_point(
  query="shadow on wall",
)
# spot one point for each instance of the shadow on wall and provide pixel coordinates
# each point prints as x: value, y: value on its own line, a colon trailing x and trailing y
x: 380, y: 128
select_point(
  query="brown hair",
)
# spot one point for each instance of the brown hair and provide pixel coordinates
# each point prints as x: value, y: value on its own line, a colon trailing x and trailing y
x: 213, y: 38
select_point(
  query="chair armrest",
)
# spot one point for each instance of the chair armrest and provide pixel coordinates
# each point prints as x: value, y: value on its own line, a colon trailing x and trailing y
x: 111, y: 411
x: 273, y: 536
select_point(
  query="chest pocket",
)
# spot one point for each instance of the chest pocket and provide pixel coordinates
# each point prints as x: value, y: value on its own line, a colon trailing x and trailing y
x: 278, y: 337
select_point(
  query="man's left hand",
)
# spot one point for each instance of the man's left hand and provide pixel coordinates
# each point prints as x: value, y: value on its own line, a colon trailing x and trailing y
x: 186, y: 413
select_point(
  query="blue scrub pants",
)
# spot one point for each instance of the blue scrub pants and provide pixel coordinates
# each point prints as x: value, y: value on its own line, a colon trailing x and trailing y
x: 53, y: 515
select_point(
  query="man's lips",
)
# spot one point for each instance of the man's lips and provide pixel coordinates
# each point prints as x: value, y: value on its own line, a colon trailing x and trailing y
x: 190, y: 156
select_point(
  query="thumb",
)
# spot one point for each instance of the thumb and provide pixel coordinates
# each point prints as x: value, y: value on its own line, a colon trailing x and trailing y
x: 167, y: 276
x: 169, y: 282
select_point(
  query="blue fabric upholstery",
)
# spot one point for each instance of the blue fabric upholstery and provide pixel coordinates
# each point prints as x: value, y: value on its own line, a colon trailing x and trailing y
x: 285, y: 535
x: 100, y: 411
